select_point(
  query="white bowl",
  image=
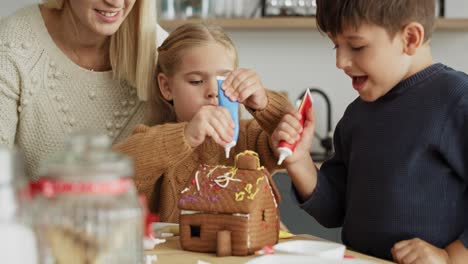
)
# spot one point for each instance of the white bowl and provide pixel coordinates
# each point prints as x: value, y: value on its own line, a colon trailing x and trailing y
x: 322, y: 249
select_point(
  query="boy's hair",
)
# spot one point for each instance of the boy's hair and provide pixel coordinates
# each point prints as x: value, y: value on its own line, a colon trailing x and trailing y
x: 393, y: 15
x: 133, y: 46
x: 170, y: 55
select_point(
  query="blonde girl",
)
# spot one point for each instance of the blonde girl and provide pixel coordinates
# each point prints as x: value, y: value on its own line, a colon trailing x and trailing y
x: 195, y: 128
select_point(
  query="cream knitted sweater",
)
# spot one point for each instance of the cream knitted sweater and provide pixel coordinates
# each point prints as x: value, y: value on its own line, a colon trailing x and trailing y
x: 164, y: 160
x: 44, y: 96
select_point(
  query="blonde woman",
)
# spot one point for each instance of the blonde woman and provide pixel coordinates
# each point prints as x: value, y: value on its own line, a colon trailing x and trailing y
x: 71, y: 65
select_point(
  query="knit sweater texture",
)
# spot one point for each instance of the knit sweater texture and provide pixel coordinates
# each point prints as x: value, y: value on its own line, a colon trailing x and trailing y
x: 164, y: 160
x: 44, y: 96
x: 400, y: 169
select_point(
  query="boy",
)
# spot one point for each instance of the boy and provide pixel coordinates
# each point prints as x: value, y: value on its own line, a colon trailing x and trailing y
x: 397, y: 183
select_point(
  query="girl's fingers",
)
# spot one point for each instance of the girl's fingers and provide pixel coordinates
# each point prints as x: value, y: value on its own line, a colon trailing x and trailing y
x: 222, y: 124
x: 220, y: 132
x: 246, y: 91
x: 229, y: 78
x: 238, y: 76
x: 237, y: 80
x: 244, y: 79
x: 226, y: 116
x: 210, y: 131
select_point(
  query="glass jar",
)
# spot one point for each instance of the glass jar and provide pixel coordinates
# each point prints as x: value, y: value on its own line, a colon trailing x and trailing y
x: 87, y: 208
x: 17, y: 240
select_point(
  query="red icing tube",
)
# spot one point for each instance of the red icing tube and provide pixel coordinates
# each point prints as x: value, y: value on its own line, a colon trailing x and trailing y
x: 285, y: 149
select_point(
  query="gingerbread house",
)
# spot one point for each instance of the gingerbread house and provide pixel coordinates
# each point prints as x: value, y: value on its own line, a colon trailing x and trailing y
x: 230, y: 210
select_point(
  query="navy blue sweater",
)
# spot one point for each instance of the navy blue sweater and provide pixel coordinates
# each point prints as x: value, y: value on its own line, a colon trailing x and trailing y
x: 401, y: 166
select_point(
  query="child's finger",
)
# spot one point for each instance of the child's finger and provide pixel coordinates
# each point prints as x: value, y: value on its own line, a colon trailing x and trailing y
x: 288, y: 137
x: 227, y: 116
x: 402, y: 244
x: 411, y: 257
x: 221, y: 131
x: 293, y: 121
x: 246, y: 91
x: 211, y: 131
x: 239, y: 76
x: 230, y: 78
x: 223, y: 124
x: 402, y: 250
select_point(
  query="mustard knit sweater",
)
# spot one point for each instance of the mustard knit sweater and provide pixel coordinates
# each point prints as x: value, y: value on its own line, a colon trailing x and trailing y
x: 164, y: 160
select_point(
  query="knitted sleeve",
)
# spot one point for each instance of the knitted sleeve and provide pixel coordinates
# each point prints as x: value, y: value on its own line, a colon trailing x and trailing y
x: 268, y: 118
x: 454, y: 147
x: 258, y: 130
x: 10, y: 82
x: 327, y: 203
x: 154, y: 150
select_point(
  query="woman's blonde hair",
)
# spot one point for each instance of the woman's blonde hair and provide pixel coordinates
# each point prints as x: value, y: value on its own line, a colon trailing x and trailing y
x: 133, y: 47
x: 170, y: 56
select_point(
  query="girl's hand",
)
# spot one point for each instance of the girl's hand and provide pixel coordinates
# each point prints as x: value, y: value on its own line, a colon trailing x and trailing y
x: 244, y: 86
x: 289, y: 129
x: 418, y: 251
x: 212, y: 121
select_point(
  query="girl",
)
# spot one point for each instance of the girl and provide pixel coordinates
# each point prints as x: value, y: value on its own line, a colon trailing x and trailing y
x: 194, y: 128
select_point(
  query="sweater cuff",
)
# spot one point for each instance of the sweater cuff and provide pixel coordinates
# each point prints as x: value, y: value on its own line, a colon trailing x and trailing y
x: 277, y: 107
x: 175, y: 145
x: 313, y: 202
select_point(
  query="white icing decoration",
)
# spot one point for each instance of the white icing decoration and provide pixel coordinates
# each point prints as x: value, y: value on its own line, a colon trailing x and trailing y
x: 226, y: 178
x: 196, y: 180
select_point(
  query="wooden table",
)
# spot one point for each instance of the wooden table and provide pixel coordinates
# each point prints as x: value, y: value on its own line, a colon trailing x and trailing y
x: 170, y: 252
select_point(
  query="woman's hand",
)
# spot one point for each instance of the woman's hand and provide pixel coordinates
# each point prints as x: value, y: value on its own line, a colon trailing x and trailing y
x: 290, y: 130
x: 211, y: 121
x: 416, y: 251
x: 244, y: 86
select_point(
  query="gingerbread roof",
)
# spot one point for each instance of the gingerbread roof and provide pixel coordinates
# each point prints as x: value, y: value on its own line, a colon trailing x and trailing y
x: 222, y: 189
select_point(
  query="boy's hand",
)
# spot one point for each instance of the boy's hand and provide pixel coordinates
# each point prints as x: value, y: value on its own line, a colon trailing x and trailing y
x: 212, y: 121
x: 289, y: 129
x: 417, y: 251
x: 244, y: 86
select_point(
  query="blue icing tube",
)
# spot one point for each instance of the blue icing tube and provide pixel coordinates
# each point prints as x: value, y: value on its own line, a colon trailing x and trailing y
x: 233, y: 108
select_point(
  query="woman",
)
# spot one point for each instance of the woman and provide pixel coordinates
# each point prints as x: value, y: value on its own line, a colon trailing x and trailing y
x: 73, y: 65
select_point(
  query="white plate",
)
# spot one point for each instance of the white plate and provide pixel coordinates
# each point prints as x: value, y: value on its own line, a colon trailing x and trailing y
x: 297, y: 259
x: 322, y: 249
x: 291, y: 259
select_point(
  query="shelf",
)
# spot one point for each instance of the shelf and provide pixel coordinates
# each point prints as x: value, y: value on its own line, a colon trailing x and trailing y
x: 452, y: 24
x: 254, y: 23
x: 293, y: 23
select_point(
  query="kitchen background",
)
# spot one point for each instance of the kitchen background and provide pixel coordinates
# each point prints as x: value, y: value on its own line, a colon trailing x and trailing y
x: 292, y: 60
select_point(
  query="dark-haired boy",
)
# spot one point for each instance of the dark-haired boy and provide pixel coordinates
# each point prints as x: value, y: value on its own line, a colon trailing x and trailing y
x: 398, y: 183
